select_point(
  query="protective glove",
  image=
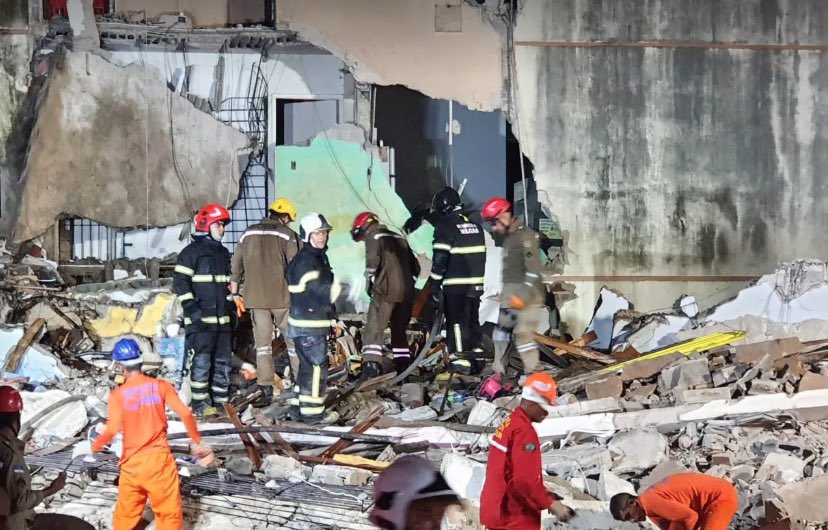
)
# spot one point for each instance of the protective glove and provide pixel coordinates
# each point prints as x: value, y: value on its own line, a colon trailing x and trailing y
x: 437, y: 295
x: 203, y: 453
x: 239, y: 301
x: 336, y: 289
x: 517, y: 302
x: 563, y: 512
x: 82, y: 449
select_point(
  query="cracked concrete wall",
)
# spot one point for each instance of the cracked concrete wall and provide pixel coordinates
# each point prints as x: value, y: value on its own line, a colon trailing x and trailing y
x: 396, y: 43
x: 677, y: 160
x: 102, y: 148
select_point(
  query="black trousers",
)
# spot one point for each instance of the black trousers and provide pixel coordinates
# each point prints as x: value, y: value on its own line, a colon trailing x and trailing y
x: 312, y: 380
x: 209, y: 356
x: 462, y: 321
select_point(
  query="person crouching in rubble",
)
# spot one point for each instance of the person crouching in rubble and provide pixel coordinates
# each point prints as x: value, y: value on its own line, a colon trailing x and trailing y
x: 313, y: 291
x: 685, y: 501
x: 411, y: 495
x: 200, y: 281
x: 16, y: 480
x: 523, y: 291
x: 514, y: 495
x: 137, y: 408
x: 390, y: 271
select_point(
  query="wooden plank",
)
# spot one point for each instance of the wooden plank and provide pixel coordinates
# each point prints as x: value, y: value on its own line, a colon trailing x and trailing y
x: 580, y: 342
x: 340, y: 445
x: 14, y: 358
x: 280, y: 442
x: 247, y: 441
x: 574, y: 350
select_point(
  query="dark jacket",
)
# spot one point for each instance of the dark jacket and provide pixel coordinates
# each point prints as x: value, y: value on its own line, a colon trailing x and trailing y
x: 260, y: 264
x: 202, y: 273
x: 17, y: 482
x: 309, y: 279
x: 459, y: 255
x: 390, y: 262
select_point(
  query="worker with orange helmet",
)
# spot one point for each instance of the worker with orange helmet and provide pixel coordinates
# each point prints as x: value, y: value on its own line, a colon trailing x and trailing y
x: 390, y: 271
x: 15, y: 479
x: 260, y: 263
x: 523, y: 292
x: 148, y: 470
x: 514, y: 495
x: 200, y: 280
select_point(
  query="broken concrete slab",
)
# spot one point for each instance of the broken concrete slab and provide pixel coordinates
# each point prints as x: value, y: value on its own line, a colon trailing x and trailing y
x: 610, y: 484
x: 107, y: 103
x: 591, y: 406
x: 575, y: 460
x: 660, y: 472
x: 609, y: 302
x: 812, y: 381
x: 611, y: 387
x: 279, y: 467
x: 726, y: 374
x: 238, y: 465
x: 805, y: 500
x: 646, y: 368
x: 464, y: 475
x: 701, y: 395
x: 637, y: 450
x: 764, y: 387
x: 340, y: 475
x: 692, y: 373
x: 778, y: 348
x: 61, y: 423
x: 781, y: 467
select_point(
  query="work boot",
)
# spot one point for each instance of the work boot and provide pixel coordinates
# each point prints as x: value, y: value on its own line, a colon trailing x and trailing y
x: 265, y: 398
x: 205, y: 412
x: 370, y: 370
x: 325, y: 419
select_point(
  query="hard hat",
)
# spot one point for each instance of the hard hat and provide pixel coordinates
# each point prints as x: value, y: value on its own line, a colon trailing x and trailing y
x: 282, y: 205
x: 209, y: 214
x: 126, y: 352
x: 311, y: 223
x: 540, y: 388
x: 445, y: 200
x: 10, y: 400
x: 410, y: 478
x: 361, y: 223
x: 494, y: 207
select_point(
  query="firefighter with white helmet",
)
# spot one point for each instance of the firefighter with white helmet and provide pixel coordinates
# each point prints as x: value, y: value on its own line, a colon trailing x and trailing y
x: 200, y: 280
x: 313, y: 291
x: 411, y: 495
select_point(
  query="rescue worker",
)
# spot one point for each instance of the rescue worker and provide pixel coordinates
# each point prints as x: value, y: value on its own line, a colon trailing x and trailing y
x: 458, y: 267
x: 390, y: 271
x: 137, y: 408
x: 16, y: 481
x: 260, y: 264
x: 523, y: 289
x: 200, y: 281
x: 513, y: 494
x: 685, y: 501
x: 312, y: 316
x: 411, y: 495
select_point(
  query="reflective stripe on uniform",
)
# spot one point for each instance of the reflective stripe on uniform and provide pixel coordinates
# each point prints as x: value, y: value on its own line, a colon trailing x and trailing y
x: 500, y: 446
x: 442, y: 246
x: 463, y: 281
x: 312, y: 400
x: 458, y: 338
x: 303, y: 282
x: 187, y: 321
x: 263, y: 233
x: 436, y: 277
x: 528, y: 346
x: 387, y: 234
x: 185, y: 297
x: 310, y: 323
x: 316, y: 378
x: 210, y: 278
x: 216, y: 320
x: 184, y: 270
x: 480, y: 249
x: 311, y: 411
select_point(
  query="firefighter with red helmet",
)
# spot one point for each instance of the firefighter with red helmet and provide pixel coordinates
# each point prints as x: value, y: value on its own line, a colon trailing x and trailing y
x: 390, y: 271
x: 200, y: 281
x: 514, y: 495
x: 15, y: 478
x: 523, y: 291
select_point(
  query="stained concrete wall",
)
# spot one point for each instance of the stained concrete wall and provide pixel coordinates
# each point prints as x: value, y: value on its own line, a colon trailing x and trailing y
x: 398, y: 42
x: 682, y: 160
x: 203, y: 13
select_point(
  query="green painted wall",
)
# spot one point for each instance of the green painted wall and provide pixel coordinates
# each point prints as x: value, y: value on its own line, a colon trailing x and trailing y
x: 330, y: 177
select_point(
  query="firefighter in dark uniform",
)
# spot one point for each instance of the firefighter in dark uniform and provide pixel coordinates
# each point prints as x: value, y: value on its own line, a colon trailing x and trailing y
x: 201, y: 278
x: 312, y: 317
x: 458, y: 267
x: 390, y: 271
x: 15, y: 477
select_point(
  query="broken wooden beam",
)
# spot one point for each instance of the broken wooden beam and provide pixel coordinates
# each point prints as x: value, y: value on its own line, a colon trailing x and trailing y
x: 14, y: 358
x: 359, y: 428
x: 584, y: 353
x: 246, y: 438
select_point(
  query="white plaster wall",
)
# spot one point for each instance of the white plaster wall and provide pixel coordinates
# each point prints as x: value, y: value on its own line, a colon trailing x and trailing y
x: 395, y: 42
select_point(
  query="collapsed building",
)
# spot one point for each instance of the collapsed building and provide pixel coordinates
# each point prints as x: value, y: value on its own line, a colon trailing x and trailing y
x: 674, y: 153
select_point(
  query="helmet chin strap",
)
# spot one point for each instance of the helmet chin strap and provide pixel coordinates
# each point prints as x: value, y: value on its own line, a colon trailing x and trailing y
x: 214, y: 233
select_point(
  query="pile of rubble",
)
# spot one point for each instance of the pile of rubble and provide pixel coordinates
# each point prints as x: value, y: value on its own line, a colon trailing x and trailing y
x: 732, y: 393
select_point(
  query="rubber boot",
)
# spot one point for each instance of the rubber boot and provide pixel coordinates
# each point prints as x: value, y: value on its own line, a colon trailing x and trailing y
x: 265, y: 399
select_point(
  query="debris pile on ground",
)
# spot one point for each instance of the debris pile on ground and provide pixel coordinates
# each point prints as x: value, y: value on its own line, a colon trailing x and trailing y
x: 641, y: 397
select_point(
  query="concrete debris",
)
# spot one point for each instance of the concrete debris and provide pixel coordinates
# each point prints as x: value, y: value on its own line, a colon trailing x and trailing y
x: 637, y: 450
x: 609, y: 303
x: 464, y: 475
x: 609, y: 484
x: 340, y: 476
x: 688, y: 374
x: 612, y: 387
x: 284, y: 468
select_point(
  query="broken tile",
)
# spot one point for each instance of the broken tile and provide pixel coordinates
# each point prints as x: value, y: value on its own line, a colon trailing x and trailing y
x: 611, y: 387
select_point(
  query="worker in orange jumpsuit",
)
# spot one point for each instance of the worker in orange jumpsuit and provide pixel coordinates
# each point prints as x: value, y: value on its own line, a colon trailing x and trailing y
x: 686, y: 501
x: 148, y: 469
x: 514, y: 495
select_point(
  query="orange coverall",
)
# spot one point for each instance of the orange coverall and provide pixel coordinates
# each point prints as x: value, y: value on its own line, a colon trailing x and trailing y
x: 690, y: 501
x: 137, y: 408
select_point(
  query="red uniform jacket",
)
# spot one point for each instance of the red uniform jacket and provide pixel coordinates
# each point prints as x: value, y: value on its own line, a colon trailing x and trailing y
x: 514, y: 494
